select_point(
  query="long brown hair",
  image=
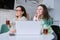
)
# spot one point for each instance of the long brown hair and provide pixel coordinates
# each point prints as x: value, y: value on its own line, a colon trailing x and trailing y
x: 45, y: 12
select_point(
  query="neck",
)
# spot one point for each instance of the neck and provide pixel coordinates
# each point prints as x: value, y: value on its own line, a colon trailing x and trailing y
x: 40, y: 17
x: 18, y: 17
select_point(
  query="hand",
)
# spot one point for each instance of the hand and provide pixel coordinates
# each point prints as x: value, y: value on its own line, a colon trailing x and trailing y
x: 13, y: 31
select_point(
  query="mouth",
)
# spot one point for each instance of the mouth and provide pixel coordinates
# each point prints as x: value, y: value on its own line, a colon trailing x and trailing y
x: 17, y: 16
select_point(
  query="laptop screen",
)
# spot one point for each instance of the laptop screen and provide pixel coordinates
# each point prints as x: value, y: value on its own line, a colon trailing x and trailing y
x: 28, y: 27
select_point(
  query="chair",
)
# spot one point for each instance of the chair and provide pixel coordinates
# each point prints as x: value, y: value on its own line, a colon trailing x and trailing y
x: 4, y: 28
x: 56, y: 29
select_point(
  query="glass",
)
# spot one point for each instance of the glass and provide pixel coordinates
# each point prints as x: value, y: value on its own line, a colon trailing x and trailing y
x: 12, y: 33
x: 45, y: 31
x: 8, y: 22
x: 12, y: 30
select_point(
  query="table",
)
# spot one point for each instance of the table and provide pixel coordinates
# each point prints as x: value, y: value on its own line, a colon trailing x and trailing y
x: 6, y: 36
x: 27, y: 30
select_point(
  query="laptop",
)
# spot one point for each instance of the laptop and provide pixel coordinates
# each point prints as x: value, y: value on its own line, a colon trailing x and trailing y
x: 28, y: 27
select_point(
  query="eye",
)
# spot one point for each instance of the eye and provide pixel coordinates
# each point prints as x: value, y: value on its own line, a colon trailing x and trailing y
x: 18, y: 10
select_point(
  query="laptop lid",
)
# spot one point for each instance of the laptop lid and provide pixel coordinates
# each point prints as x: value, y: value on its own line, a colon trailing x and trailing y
x: 28, y: 27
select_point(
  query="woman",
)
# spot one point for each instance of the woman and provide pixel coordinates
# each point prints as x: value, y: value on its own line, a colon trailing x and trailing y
x: 21, y: 15
x: 43, y: 16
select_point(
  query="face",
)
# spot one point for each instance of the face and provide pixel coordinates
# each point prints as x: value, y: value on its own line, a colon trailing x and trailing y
x: 19, y: 12
x: 40, y: 10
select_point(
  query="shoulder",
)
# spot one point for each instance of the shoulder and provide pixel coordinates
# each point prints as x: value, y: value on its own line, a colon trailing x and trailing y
x: 23, y: 19
x: 3, y: 25
x: 50, y: 19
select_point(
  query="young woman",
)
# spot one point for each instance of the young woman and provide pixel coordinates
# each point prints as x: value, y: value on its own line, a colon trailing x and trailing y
x: 43, y: 15
x: 21, y: 15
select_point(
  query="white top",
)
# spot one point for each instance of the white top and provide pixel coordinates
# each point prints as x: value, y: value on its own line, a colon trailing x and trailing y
x: 21, y: 19
x: 36, y: 19
x: 13, y: 22
x: 40, y: 20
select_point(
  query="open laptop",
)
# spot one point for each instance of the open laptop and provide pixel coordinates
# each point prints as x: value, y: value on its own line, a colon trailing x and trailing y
x: 28, y: 27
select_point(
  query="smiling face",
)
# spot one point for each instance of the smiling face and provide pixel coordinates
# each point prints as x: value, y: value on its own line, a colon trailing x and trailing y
x: 19, y: 12
x: 40, y: 10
